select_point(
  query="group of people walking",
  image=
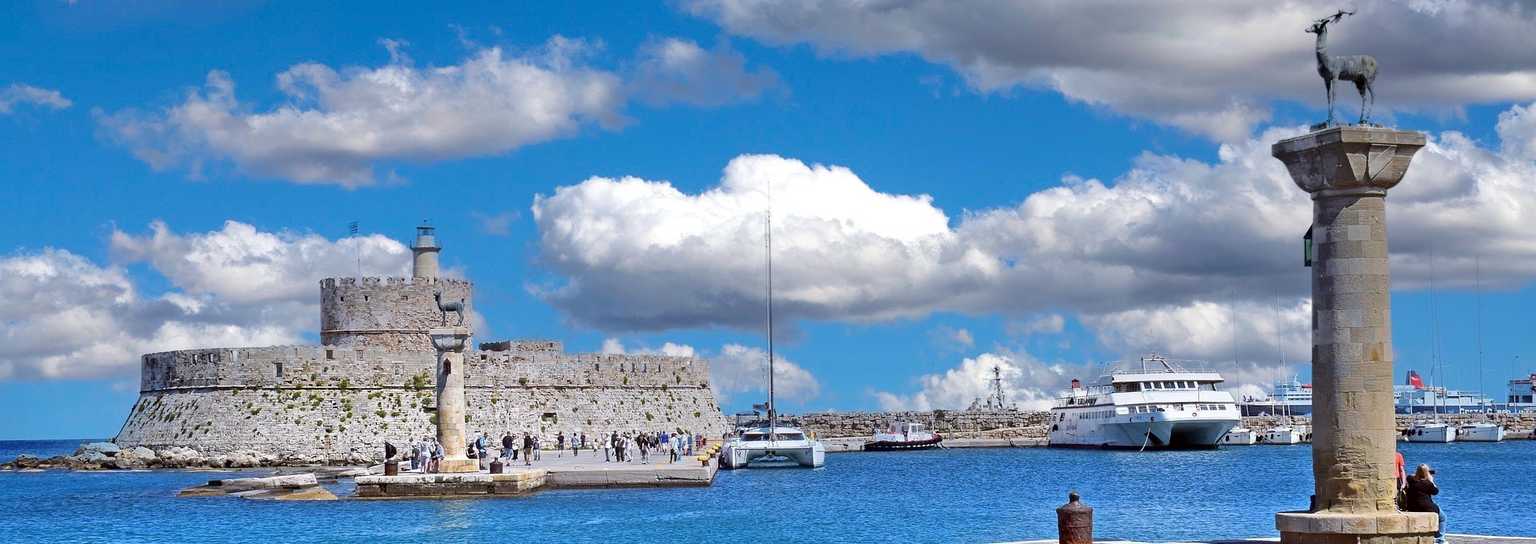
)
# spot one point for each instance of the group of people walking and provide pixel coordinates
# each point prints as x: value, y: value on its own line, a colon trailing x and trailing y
x: 426, y: 455
x: 622, y: 448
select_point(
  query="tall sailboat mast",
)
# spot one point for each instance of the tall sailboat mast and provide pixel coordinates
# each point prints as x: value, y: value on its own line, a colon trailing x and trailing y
x: 773, y: 414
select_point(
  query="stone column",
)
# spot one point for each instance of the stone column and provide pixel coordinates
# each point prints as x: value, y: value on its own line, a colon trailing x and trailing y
x: 450, y: 343
x: 1348, y: 171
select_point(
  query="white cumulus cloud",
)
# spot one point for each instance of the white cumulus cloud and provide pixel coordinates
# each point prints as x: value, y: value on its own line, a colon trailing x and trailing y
x: 1152, y: 260
x: 337, y: 125
x: 64, y: 316
x: 1026, y: 383
x: 676, y: 70
x: 1208, y: 70
x: 21, y: 93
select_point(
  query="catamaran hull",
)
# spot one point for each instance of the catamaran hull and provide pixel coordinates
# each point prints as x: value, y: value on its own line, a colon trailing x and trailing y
x: 1151, y: 435
x: 765, y: 457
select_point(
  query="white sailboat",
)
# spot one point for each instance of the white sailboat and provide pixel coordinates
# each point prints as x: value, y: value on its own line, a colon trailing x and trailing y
x: 1483, y: 431
x: 1284, y: 434
x: 1435, y: 431
x: 768, y: 443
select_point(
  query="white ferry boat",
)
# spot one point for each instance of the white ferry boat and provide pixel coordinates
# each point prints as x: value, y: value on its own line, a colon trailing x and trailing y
x: 1285, y: 399
x: 1155, y: 405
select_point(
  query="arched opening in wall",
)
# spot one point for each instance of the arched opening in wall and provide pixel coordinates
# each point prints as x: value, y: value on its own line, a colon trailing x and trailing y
x: 549, y: 418
x: 330, y: 355
x: 447, y: 367
x: 277, y: 370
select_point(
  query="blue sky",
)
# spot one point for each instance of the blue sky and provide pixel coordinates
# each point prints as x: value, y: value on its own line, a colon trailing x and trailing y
x: 887, y: 294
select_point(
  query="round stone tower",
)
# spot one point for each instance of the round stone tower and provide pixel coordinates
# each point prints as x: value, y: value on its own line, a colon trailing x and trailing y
x: 392, y: 313
x: 424, y: 264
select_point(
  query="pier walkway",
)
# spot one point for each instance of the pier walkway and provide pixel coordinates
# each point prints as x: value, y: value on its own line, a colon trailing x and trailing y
x: 552, y: 471
x: 588, y: 470
x: 1450, y: 538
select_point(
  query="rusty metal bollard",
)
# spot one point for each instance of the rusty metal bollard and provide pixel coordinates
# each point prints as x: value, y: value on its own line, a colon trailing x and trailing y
x: 497, y: 467
x: 391, y: 468
x: 1074, y: 521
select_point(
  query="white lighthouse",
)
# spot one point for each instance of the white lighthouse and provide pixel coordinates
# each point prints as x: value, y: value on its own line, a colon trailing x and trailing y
x: 424, y: 265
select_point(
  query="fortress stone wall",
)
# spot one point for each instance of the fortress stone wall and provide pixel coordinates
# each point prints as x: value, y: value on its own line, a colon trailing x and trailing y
x: 372, y: 381
x: 334, y: 404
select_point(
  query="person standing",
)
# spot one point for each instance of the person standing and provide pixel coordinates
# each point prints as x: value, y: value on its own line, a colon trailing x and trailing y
x: 415, y: 454
x: 508, y: 447
x: 437, y: 456
x: 538, y: 448
x: 527, y: 449
x: 606, y: 445
x: 1420, y: 497
x: 1402, y: 479
x: 575, y: 444
x: 560, y: 444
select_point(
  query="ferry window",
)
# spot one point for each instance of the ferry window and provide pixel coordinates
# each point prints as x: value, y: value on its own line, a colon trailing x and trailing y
x: 1167, y: 385
x: 792, y: 436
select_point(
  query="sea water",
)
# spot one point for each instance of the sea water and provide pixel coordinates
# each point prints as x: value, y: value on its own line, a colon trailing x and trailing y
x: 962, y: 495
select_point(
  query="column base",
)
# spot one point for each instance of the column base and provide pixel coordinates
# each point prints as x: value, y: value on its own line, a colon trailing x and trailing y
x: 1347, y: 528
x: 457, y: 466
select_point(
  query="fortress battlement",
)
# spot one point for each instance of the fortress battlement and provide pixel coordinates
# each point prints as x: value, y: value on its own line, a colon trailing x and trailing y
x: 387, y: 281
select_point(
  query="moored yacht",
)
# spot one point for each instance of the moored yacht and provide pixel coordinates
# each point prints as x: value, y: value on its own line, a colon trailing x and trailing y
x: 1434, y: 431
x: 1283, y: 435
x: 903, y: 435
x: 1480, y: 432
x: 771, y: 444
x: 1239, y: 436
x: 1153, y: 405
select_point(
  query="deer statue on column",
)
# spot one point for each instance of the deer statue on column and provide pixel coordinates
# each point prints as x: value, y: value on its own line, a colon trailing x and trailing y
x: 1360, y: 69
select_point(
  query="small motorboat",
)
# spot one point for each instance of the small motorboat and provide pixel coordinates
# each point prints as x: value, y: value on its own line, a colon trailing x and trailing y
x: 1239, y: 436
x: 903, y: 436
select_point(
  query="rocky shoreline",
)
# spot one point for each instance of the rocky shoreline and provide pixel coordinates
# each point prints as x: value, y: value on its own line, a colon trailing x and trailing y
x: 109, y: 456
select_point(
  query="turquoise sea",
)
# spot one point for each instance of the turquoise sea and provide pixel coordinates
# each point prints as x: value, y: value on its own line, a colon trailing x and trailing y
x: 975, y: 495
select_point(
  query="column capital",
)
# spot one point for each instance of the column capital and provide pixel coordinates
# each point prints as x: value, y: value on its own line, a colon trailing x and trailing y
x: 1348, y: 160
x: 453, y: 339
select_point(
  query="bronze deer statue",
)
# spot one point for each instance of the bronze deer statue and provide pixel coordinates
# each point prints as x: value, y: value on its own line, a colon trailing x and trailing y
x: 455, y: 307
x: 1360, y: 69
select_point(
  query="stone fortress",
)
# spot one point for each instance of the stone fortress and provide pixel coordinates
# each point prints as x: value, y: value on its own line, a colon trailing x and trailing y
x: 371, y: 381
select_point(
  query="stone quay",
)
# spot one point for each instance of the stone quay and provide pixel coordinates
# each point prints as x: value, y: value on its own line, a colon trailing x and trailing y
x: 1348, y: 171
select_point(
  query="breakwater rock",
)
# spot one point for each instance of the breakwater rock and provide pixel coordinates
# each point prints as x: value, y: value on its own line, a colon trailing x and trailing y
x: 108, y: 456
x: 950, y: 423
x: 1519, y: 425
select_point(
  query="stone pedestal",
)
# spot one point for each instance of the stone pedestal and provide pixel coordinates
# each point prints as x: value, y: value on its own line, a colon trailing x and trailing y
x: 450, y: 344
x: 1348, y: 171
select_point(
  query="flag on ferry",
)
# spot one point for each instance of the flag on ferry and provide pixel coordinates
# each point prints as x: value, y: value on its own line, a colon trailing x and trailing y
x: 1414, y: 380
